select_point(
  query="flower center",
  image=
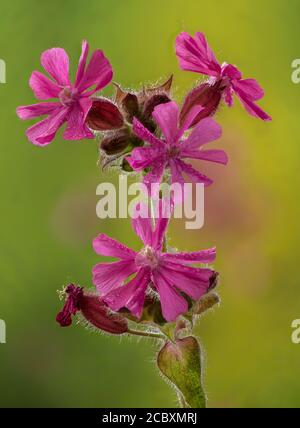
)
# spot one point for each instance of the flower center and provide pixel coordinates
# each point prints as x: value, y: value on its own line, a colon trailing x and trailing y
x: 174, y: 151
x: 147, y: 257
x: 68, y: 95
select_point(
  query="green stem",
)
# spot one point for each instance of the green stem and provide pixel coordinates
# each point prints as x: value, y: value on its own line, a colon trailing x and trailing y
x: 146, y: 334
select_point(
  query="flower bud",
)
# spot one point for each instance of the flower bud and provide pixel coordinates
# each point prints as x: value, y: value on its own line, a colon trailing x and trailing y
x: 118, y: 141
x: 92, y: 309
x: 205, y: 303
x: 115, y: 142
x: 206, y: 95
x: 130, y: 106
x: 154, y: 101
x: 165, y: 87
x: 142, y: 103
x: 104, y: 116
x: 213, y: 281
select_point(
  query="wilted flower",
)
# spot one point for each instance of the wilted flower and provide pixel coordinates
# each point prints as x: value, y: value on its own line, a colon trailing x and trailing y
x: 74, y: 100
x: 93, y: 310
x: 195, y: 55
x: 168, y: 274
x: 171, y: 151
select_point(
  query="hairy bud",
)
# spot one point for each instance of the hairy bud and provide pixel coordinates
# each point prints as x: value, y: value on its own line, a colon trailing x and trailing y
x: 130, y: 106
x: 154, y: 101
x: 205, y: 303
x: 115, y: 142
x: 206, y: 95
x: 104, y: 116
x: 142, y: 103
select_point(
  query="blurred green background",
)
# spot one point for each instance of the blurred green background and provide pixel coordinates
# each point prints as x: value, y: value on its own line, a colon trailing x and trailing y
x: 48, y: 205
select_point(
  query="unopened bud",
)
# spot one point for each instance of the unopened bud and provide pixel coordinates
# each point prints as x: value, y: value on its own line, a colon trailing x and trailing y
x: 164, y: 87
x: 154, y: 101
x: 205, y: 303
x: 213, y: 280
x: 206, y: 95
x: 130, y: 106
x: 104, y: 116
x: 115, y: 142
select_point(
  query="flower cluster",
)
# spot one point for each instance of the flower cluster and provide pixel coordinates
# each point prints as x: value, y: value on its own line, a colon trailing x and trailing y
x: 146, y: 132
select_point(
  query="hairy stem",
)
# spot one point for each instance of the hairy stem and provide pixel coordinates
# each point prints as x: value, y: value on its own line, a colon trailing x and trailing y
x: 146, y: 334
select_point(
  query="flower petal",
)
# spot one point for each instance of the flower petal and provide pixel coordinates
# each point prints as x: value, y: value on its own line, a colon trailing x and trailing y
x: 42, y: 133
x: 163, y: 211
x: 98, y: 73
x: 56, y: 62
x: 82, y: 62
x: 130, y: 295
x: 218, y: 156
x: 77, y: 128
x: 158, y: 236
x: 176, y: 172
x: 251, y: 107
x: 194, y: 54
x: 43, y: 88
x: 145, y: 135
x: 155, y: 175
x: 231, y: 71
x: 194, y: 175
x: 172, y: 303
x: 108, y: 276
x: 143, y: 228
x: 166, y: 116
x: 35, y: 110
x: 106, y: 246
x: 143, y: 157
x: 194, y: 282
x: 203, y: 256
x: 189, y: 119
x: 228, y: 98
x: 250, y: 88
x: 205, y: 131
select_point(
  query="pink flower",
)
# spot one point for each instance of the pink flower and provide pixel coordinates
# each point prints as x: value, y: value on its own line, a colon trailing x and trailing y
x: 195, y: 55
x: 167, y: 274
x: 74, y: 100
x: 171, y: 151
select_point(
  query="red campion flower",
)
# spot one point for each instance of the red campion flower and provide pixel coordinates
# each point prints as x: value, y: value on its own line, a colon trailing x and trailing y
x: 195, y: 55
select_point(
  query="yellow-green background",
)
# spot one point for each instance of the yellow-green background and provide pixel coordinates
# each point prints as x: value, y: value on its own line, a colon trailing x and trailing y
x: 252, y: 212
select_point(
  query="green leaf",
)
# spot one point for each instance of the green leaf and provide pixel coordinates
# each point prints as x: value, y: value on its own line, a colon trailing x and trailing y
x: 180, y: 362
